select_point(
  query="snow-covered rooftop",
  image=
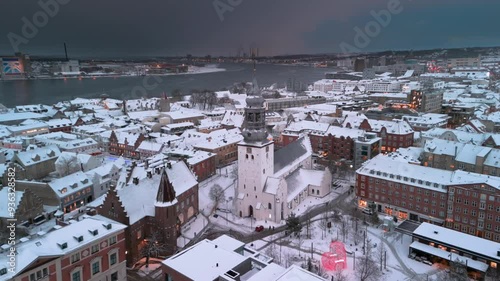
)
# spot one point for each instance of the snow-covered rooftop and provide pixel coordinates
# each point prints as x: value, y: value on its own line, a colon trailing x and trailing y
x: 70, y: 184
x: 11, y: 116
x: 139, y: 200
x: 292, y: 154
x: 38, y: 155
x: 207, y: 269
x: 150, y: 146
x: 387, y: 168
x: 470, y: 243
x: 300, y: 179
x: 29, y: 252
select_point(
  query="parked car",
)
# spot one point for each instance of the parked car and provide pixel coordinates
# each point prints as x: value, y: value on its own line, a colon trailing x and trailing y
x: 259, y: 228
x: 427, y: 262
x: 367, y: 211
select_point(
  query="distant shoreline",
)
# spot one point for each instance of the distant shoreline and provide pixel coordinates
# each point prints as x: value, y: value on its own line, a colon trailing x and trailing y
x: 192, y: 71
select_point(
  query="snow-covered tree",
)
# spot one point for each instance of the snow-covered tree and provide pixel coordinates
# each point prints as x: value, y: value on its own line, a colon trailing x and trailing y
x: 67, y: 164
x: 216, y: 194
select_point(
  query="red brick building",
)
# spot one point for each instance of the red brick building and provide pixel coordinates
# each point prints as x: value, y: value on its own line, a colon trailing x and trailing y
x: 463, y: 201
x: 202, y: 164
x: 60, y: 125
x: 154, y: 205
x: 89, y: 250
x: 125, y: 144
x: 394, y: 134
x: 328, y: 142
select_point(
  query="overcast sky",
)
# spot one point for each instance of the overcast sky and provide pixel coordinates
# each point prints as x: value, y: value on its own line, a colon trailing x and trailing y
x: 179, y: 27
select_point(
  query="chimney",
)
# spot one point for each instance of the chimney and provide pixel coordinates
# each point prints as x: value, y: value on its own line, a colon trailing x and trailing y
x: 149, y: 173
x: 66, y: 51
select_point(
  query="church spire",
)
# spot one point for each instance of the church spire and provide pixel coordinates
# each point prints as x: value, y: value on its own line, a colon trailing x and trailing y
x: 166, y: 192
x: 254, y: 127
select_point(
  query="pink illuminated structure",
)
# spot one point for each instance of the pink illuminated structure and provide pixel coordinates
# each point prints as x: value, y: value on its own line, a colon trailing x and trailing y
x: 336, y: 258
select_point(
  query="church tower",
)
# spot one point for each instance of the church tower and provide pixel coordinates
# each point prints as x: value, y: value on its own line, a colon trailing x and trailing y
x: 165, y: 212
x: 255, y: 158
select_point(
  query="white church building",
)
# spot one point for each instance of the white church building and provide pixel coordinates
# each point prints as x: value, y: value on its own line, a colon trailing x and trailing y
x: 270, y: 185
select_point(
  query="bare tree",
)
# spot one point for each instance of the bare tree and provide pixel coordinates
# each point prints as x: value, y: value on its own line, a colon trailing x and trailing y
x: 321, y: 271
x: 287, y: 259
x: 67, y: 164
x: 234, y: 171
x: 176, y: 93
x: 366, y: 267
x: 381, y: 254
x: 323, y: 224
x: 154, y: 246
x: 308, y: 226
x: 339, y: 276
x: 211, y: 99
x: 271, y: 251
x: 300, y: 241
x: 356, y: 237
x: 344, y: 227
x: 216, y: 194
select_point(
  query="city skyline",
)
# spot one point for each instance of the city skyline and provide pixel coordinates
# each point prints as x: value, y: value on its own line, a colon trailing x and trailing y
x: 222, y: 27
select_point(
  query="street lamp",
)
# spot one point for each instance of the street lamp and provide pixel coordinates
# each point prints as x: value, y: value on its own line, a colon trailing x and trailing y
x: 354, y: 265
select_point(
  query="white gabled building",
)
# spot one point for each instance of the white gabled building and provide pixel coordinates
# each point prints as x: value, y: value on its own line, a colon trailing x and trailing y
x: 271, y: 185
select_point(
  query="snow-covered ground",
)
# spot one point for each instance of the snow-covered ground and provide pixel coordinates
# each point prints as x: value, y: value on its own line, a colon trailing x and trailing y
x: 191, y: 229
x: 287, y: 250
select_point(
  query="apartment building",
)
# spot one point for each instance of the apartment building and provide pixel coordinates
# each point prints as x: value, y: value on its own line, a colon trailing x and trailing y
x: 89, y: 250
x: 464, y: 201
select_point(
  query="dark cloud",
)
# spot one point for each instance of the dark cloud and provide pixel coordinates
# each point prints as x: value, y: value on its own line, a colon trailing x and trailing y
x: 178, y: 27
